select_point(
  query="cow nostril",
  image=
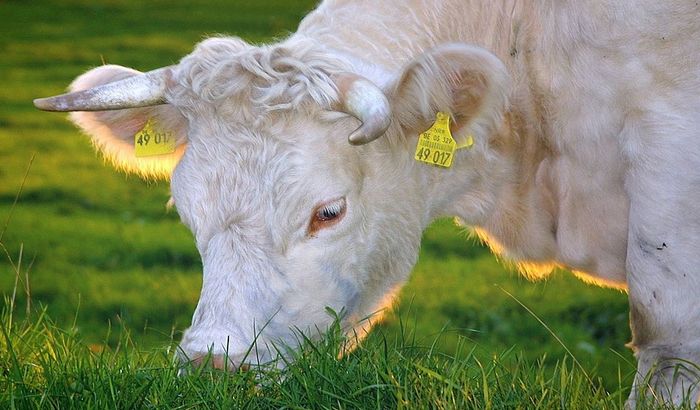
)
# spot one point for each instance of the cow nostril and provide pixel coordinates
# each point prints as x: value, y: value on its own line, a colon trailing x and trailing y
x: 214, y: 361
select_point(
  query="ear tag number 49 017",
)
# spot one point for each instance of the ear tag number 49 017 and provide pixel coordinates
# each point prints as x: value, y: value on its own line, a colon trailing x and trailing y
x: 152, y: 140
x: 436, y: 146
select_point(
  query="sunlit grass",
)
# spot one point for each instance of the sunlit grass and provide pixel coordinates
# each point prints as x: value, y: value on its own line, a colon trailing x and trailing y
x: 44, y: 366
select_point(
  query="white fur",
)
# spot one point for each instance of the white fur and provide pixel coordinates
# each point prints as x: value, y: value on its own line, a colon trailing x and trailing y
x: 585, y: 116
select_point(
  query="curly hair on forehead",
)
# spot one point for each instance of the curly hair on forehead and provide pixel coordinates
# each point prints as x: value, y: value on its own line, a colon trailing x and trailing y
x: 261, y: 79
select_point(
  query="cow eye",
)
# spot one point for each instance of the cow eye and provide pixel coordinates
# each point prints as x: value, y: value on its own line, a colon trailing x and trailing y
x: 327, y: 214
x: 331, y: 211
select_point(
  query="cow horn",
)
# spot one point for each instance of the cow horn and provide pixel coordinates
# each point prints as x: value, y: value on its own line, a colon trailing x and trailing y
x: 363, y: 100
x: 142, y: 90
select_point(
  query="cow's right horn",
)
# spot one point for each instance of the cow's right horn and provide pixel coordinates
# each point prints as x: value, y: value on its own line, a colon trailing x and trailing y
x: 141, y: 90
x: 365, y: 101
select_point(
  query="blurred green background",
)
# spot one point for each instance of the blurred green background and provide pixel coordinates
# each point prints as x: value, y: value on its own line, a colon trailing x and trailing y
x: 100, y: 249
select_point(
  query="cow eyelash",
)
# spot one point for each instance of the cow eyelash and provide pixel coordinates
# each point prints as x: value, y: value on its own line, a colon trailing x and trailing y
x: 327, y: 214
x: 331, y: 211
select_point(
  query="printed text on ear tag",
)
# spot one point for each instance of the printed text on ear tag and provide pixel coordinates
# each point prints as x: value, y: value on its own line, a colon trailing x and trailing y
x: 436, y: 145
x: 153, y: 140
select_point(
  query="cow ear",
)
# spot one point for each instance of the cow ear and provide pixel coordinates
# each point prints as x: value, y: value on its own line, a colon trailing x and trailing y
x: 467, y: 82
x: 112, y: 132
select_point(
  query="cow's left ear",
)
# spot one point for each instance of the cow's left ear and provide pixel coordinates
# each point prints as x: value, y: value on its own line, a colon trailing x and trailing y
x: 113, y: 132
x: 467, y: 82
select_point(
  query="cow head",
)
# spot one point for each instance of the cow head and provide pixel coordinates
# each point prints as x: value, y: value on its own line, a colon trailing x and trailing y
x: 293, y: 209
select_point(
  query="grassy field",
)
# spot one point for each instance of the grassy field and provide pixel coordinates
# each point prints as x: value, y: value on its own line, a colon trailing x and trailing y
x: 99, y: 253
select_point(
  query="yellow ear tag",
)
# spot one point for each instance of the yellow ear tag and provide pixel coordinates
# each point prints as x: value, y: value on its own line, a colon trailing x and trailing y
x: 436, y: 145
x: 152, y: 140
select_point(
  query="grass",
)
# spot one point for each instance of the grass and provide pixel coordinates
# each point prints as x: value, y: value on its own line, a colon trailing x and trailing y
x: 114, y: 277
x: 44, y: 366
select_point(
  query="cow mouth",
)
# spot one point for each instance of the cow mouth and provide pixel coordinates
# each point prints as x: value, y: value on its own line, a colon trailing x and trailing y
x: 194, y: 363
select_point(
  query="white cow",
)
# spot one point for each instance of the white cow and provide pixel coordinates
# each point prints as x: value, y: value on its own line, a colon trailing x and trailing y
x: 585, y: 120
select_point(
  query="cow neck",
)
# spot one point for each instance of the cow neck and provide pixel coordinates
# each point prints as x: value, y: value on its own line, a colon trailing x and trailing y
x: 521, y: 224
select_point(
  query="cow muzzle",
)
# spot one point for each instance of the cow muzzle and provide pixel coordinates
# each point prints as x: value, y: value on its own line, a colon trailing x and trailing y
x: 197, y: 361
x: 212, y: 348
